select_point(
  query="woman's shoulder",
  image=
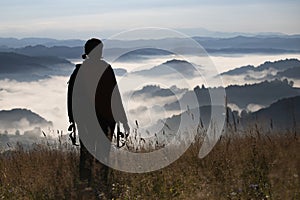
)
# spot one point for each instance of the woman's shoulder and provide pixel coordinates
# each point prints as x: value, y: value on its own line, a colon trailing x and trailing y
x: 94, y: 61
x: 105, y: 63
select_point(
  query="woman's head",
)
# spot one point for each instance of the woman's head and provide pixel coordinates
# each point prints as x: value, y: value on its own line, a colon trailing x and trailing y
x: 93, y: 48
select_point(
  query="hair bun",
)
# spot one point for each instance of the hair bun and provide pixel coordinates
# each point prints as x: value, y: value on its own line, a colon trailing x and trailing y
x: 84, y: 56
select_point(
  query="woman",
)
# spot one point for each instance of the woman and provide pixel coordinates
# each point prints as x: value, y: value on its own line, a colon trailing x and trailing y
x: 109, y: 110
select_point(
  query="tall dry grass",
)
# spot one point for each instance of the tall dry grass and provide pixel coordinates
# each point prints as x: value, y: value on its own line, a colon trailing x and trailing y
x: 252, y: 166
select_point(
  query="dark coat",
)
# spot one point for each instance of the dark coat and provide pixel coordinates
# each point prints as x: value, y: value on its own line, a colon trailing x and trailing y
x: 108, y: 102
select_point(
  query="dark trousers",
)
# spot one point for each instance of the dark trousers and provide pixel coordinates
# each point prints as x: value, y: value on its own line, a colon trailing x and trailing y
x: 90, y: 169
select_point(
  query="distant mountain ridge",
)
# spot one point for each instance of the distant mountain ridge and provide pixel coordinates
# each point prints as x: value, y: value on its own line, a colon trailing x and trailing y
x: 293, y: 72
x: 273, y: 42
x: 170, y: 67
x: 156, y: 91
x: 279, y: 65
x: 282, y: 115
x: 262, y: 94
x: 19, y: 118
x: 49, y: 42
x: 28, y: 68
x: 143, y: 53
x: 41, y: 50
x: 237, y: 44
x: 22, y: 126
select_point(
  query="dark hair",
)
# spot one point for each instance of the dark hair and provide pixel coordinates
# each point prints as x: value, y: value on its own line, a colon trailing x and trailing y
x: 90, y: 45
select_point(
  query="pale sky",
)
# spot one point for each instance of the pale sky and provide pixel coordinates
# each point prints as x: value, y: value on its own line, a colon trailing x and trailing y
x: 82, y: 19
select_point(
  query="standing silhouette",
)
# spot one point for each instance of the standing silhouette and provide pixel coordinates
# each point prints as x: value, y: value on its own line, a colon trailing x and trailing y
x: 109, y: 110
